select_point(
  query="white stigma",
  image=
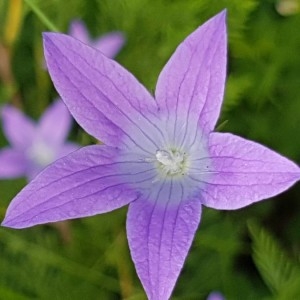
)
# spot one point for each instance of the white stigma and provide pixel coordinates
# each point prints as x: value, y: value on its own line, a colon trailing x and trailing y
x: 171, y: 162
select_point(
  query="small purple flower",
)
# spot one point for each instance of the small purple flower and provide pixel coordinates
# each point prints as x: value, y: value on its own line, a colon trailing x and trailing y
x: 160, y: 155
x: 34, y: 146
x: 109, y: 44
x: 215, y: 296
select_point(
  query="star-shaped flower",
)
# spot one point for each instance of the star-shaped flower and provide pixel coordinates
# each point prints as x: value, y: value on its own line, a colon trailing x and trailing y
x: 109, y: 44
x: 34, y: 146
x: 160, y: 155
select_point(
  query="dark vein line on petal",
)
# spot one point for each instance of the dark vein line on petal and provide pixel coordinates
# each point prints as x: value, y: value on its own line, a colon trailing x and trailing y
x: 221, y: 172
x: 210, y: 82
x: 87, y: 182
x: 148, y: 232
x: 91, y: 103
x: 65, y: 203
x: 206, y: 96
x: 194, y: 88
x: 238, y: 185
x: 178, y: 92
x: 174, y: 228
x: 162, y: 232
x: 77, y: 172
x: 107, y: 97
x: 81, y: 184
x: 138, y: 111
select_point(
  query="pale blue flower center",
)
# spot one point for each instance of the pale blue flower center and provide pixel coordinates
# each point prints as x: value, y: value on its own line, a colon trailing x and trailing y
x: 170, y: 165
x: 41, y: 154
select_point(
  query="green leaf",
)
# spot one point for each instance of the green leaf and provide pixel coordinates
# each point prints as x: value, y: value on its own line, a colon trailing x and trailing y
x: 7, y: 294
x: 280, y: 273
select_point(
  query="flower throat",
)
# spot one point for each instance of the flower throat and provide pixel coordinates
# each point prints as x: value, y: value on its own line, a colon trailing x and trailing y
x: 171, y: 162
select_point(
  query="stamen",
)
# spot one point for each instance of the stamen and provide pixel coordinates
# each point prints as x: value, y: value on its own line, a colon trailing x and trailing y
x: 171, y: 162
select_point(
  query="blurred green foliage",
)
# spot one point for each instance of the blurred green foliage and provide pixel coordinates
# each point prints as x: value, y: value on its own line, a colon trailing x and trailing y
x: 280, y: 272
x: 89, y: 258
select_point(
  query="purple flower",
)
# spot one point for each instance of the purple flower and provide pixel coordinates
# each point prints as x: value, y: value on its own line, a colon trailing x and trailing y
x: 109, y: 44
x: 34, y: 146
x: 160, y: 155
x: 215, y: 296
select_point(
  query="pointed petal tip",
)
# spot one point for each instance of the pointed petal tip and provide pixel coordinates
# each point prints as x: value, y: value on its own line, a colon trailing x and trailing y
x: 159, y: 239
x: 7, y: 223
x: 13, y: 225
x: 221, y: 16
x: 298, y: 174
x: 267, y: 174
x: 46, y: 34
x: 222, y: 13
x: 46, y: 39
x: 77, y: 22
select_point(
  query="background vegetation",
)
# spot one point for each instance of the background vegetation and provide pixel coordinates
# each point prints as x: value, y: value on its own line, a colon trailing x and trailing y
x: 252, y: 253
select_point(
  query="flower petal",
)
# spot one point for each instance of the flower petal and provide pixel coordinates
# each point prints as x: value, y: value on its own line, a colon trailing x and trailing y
x: 36, y: 166
x: 55, y: 124
x: 67, y: 148
x: 191, y: 85
x: 110, y: 44
x: 104, y: 98
x: 18, y: 128
x: 78, y: 31
x: 84, y: 183
x: 160, y: 236
x: 12, y: 163
x: 244, y: 172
